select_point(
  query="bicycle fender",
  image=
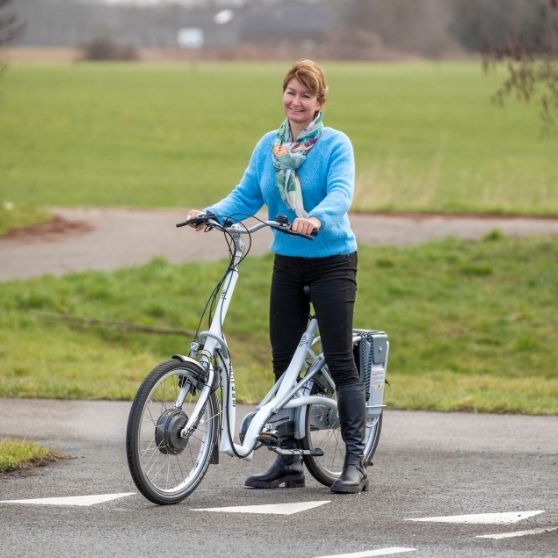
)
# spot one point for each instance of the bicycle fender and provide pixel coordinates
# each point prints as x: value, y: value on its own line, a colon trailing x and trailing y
x: 300, y: 423
x: 191, y: 361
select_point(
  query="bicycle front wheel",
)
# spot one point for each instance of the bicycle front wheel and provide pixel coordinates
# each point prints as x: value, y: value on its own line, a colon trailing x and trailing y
x: 323, y: 431
x: 166, y: 467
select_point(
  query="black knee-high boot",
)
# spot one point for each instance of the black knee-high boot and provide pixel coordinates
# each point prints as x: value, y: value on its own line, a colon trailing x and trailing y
x: 286, y: 469
x: 351, y: 407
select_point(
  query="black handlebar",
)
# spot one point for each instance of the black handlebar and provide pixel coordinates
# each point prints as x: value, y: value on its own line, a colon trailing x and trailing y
x: 286, y: 229
x: 200, y: 219
x: 280, y: 223
x: 193, y: 221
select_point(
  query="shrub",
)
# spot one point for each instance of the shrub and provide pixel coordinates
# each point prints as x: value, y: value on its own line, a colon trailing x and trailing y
x: 104, y: 48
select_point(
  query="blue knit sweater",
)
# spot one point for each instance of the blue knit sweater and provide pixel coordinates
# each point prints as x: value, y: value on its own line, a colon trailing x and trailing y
x: 327, y: 178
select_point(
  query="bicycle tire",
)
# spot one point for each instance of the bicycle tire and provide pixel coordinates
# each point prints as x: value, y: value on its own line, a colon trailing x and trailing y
x: 323, y: 431
x: 165, y: 467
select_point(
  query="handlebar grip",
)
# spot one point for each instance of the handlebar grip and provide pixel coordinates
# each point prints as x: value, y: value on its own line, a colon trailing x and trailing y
x: 310, y: 236
x: 200, y: 219
x: 285, y: 227
x: 287, y: 230
x: 193, y: 221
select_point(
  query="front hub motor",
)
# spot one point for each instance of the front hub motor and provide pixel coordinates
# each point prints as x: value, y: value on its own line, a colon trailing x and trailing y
x: 167, y: 431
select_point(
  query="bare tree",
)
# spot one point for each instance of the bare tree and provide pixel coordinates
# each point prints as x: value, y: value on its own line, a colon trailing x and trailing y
x: 9, y: 25
x: 531, y: 60
x: 413, y: 27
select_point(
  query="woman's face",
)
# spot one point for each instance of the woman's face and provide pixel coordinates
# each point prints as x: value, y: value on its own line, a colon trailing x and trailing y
x: 299, y: 105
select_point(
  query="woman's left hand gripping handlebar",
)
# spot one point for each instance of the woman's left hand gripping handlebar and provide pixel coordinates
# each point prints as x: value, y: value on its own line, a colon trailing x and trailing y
x: 308, y: 226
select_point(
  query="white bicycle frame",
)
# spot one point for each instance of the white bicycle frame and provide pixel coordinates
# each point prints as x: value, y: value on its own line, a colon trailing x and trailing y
x: 287, y: 393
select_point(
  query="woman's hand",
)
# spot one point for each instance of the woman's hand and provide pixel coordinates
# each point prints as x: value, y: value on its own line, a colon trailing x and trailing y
x: 192, y: 213
x: 302, y: 225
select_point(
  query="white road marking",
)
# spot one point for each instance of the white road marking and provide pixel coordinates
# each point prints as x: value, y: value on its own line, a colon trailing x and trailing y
x: 518, y: 533
x: 481, y: 518
x: 370, y: 553
x: 70, y: 500
x: 279, y: 509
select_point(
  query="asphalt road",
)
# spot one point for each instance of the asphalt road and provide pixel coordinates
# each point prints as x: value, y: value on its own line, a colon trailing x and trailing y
x: 427, y: 465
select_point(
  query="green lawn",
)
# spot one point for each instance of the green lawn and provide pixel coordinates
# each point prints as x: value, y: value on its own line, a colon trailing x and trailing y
x: 472, y: 325
x: 426, y: 136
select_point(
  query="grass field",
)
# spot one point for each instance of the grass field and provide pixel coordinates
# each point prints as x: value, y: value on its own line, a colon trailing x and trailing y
x: 426, y: 136
x: 472, y: 325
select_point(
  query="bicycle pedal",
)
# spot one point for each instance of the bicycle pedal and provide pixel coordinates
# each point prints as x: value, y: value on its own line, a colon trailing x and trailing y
x: 316, y: 452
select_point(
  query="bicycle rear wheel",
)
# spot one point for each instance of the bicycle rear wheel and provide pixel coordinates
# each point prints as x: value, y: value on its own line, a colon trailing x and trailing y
x: 166, y: 467
x: 323, y: 431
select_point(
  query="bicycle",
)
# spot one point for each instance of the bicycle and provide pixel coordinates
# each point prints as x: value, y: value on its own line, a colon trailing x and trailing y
x: 184, y: 413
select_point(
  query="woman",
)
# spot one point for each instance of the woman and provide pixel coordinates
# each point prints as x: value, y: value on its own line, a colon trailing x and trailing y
x: 306, y: 171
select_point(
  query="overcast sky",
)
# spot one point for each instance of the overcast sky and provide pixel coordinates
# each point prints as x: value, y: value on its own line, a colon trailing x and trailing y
x: 183, y: 2
x: 223, y: 3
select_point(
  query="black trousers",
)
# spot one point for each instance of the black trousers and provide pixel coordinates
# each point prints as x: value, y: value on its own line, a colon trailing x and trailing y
x: 332, y: 283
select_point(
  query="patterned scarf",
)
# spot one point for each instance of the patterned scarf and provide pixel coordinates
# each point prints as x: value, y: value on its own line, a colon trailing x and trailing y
x: 288, y: 156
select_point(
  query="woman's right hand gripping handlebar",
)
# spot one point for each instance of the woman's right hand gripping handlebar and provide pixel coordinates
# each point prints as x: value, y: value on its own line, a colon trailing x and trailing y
x: 192, y: 219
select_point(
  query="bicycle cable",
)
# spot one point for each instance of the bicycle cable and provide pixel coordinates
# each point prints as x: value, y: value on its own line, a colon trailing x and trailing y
x: 231, y: 244
x: 213, y: 297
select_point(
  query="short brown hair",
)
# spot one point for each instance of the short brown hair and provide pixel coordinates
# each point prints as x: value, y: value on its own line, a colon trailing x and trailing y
x: 310, y: 75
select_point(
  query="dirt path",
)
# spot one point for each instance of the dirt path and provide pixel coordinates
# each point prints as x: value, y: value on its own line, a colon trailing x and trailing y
x: 107, y: 239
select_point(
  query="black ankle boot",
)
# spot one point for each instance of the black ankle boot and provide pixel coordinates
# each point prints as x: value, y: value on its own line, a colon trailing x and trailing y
x: 351, y: 407
x: 286, y: 469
